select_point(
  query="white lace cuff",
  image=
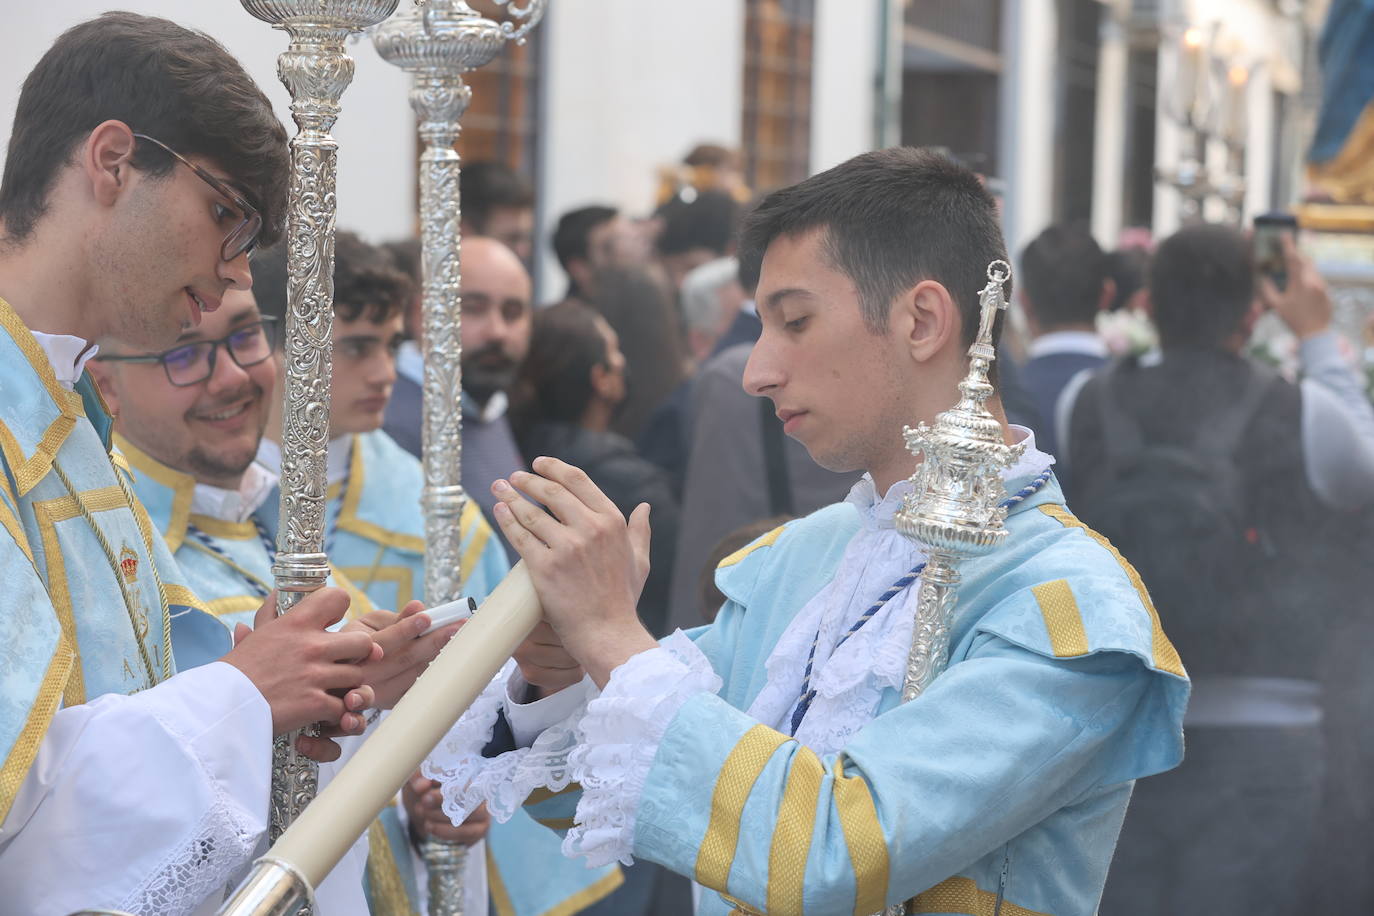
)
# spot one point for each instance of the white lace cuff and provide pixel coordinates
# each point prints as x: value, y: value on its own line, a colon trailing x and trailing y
x: 619, y: 738
x: 504, y: 781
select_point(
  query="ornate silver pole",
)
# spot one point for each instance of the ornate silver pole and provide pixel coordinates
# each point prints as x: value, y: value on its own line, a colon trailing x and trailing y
x: 316, y: 71
x: 438, y: 41
x: 953, y: 509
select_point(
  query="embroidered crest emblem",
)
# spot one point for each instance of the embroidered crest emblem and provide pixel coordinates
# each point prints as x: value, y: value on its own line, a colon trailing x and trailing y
x: 128, y: 564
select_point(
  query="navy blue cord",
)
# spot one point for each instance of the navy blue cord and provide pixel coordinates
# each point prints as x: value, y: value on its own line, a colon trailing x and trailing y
x: 901, y: 585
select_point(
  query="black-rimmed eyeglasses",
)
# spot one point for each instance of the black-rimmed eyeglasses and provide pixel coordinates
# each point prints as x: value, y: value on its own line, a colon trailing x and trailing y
x: 244, y: 236
x: 193, y: 363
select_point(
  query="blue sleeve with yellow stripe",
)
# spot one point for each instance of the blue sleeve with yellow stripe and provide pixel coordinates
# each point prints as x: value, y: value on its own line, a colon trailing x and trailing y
x: 923, y: 791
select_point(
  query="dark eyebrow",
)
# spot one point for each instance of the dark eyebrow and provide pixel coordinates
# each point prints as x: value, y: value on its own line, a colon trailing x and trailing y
x: 775, y: 299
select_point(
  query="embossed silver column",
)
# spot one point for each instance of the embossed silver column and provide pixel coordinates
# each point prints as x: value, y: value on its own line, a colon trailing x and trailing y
x: 316, y: 71
x: 438, y: 41
x: 953, y: 510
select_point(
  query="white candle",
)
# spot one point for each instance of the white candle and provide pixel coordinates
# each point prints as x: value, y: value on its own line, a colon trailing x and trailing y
x: 325, y: 830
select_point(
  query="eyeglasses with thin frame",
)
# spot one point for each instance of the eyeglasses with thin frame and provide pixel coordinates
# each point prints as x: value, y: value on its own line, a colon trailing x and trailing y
x: 244, y: 236
x: 193, y: 363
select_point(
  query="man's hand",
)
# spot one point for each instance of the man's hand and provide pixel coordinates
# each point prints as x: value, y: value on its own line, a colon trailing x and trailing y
x: 587, y: 564
x: 545, y: 663
x: 424, y: 806
x: 405, y: 653
x: 1304, y: 305
x: 306, y: 673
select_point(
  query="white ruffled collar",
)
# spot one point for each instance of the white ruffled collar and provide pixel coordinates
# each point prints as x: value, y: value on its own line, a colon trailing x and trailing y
x: 849, y: 681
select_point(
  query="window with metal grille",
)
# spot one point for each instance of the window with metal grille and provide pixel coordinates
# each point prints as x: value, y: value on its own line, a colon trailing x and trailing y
x: 776, y: 136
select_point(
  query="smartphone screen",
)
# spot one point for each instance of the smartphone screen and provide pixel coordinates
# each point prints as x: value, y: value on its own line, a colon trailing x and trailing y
x: 1270, y: 228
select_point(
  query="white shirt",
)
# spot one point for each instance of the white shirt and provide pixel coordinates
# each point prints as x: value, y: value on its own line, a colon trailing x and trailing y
x: 67, y: 354
x: 1086, y: 343
x: 235, y: 505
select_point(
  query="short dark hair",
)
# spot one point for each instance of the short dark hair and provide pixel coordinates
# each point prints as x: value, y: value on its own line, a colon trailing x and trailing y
x: 1126, y: 267
x: 366, y: 281
x: 405, y: 254
x: 160, y: 79
x: 1202, y: 284
x: 555, y: 381
x: 891, y: 218
x: 707, y: 221
x: 1062, y: 274
x: 485, y: 187
x: 574, y: 231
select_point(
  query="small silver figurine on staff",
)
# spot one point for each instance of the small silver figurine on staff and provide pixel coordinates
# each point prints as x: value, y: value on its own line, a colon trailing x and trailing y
x: 954, y: 508
x: 316, y: 71
x: 438, y: 41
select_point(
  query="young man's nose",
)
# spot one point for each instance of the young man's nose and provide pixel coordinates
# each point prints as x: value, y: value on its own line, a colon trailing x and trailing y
x: 761, y: 375
x: 227, y: 373
x: 236, y: 274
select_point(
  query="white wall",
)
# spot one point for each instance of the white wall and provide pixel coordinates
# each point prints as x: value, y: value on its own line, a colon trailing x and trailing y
x: 1026, y: 129
x: 631, y: 86
x: 844, y: 80
x: 376, y: 131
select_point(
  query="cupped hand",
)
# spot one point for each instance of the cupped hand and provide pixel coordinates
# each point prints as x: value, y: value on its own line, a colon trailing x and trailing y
x: 424, y: 804
x: 587, y: 563
x: 306, y: 673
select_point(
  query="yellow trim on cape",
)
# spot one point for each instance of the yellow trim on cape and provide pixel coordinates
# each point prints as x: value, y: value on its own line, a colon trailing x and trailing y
x: 28, y: 470
x: 741, y: 770
x: 45, y: 706
x: 233, y: 604
x: 602, y: 888
x: 472, y: 518
x: 221, y: 528
x: 352, y: 498
x: 792, y: 833
x: 359, y: 604
x: 401, y: 576
x: 962, y: 895
x: 1063, y: 620
x: 9, y: 519
x: 74, y: 690
x: 1164, y: 655
x: 863, y: 834
x: 388, y: 897
x: 183, y: 487
x: 182, y: 596
x: 765, y: 541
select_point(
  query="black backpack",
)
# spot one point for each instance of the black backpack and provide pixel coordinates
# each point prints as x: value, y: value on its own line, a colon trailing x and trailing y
x: 1178, y: 514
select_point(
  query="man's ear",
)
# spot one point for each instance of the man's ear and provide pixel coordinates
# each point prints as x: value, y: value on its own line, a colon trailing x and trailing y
x: 106, y: 160
x: 104, y: 376
x: 926, y: 319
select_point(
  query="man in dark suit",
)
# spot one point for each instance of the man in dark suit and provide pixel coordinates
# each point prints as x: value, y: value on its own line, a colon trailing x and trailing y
x: 1063, y: 285
x: 496, y: 335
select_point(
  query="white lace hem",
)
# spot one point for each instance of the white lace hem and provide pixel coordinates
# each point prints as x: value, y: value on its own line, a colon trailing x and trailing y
x: 618, y: 740
x: 504, y: 781
x: 203, y: 865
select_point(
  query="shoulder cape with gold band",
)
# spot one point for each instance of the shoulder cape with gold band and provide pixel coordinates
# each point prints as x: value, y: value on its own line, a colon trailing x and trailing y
x: 91, y: 594
x: 228, y: 561
x: 379, y: 540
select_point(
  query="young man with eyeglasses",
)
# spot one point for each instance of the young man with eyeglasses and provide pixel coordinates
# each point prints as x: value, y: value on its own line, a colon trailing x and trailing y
x: 143, y: 167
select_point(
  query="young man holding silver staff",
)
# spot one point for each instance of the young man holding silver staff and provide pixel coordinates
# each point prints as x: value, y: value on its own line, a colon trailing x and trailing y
x: 769, y: 755
x: 143, y: 167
